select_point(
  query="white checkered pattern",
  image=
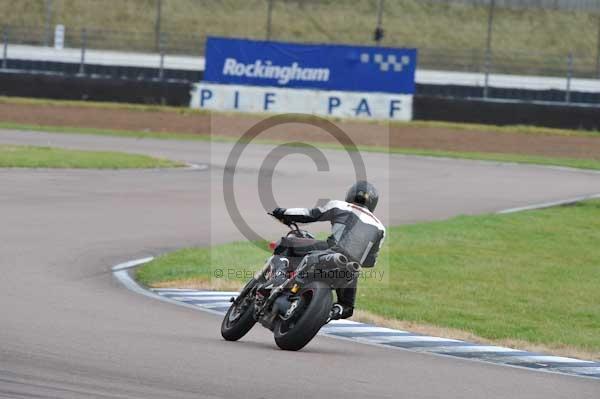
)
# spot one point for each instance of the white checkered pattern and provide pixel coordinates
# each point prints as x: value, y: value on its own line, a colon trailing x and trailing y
x: 387, y: 62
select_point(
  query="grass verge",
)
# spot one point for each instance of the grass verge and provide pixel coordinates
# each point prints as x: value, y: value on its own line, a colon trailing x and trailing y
x: 591, y: 164
x: 528, y: 280
x: 12, y: 156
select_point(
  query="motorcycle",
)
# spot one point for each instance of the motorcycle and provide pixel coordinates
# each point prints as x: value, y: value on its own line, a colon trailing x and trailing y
x: 292, y: 294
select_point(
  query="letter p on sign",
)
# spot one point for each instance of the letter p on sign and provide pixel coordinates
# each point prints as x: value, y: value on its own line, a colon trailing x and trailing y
x: 205, y: 95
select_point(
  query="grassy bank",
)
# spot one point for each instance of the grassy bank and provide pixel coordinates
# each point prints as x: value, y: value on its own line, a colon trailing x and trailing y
x: 185, y: 111
x: 145, y: 112
x: 12, y: 156
x: 530, y: 277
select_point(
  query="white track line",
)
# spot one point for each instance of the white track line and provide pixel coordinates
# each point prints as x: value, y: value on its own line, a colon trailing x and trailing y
x: 187, y: 293
x: 409, y: 338
x: 344, y: 321
x: 120, y: 272
x: 471, y: 349
x: 195, y: 166
x: 581, y: 370
x: 132, y: 263
x: 206, y: 298
x: 543, y: 205
x: 548, y: 359
x: 363, y: 328
x: 214, y: 305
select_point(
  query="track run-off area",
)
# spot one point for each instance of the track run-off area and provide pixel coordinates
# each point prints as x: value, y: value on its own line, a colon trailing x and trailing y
x: 69, y: 329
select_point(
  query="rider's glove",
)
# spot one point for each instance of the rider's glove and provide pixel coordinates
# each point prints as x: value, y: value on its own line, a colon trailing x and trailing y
x: 279, y: 213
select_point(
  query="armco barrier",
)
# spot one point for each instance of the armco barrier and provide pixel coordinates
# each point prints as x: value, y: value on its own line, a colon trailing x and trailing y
x: 104, y: 71
x: 506, y: 113
x: 498, y: 93
x: 85, y: 88
x: 178, y: 94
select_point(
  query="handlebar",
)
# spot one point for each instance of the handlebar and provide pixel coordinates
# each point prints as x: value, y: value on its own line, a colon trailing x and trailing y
x: 291, y: 225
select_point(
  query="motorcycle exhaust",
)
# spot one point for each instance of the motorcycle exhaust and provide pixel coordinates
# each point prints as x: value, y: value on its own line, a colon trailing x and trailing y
x: 334, y: 260
x: 353, y: 267
x: 341, y: 261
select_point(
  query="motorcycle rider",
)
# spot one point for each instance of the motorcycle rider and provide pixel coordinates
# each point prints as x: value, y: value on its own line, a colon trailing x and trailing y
x: 356, y: 233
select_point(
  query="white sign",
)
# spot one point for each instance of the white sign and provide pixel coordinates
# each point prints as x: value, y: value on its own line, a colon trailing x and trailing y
x: 59, y: 37
x: 342, y: 104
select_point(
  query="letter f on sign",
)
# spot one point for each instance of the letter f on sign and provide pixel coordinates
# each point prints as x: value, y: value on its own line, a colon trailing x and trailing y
x: 395, y: 105
x: 269, y: 99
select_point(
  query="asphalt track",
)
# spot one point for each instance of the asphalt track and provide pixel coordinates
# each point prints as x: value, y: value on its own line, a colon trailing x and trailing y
x: 67, y: 329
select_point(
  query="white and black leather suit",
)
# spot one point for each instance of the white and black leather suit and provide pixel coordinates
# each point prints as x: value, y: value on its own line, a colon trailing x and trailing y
x: 356, y: 233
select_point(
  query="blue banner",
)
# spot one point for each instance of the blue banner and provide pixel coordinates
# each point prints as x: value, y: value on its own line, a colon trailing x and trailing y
x: 323, y: 66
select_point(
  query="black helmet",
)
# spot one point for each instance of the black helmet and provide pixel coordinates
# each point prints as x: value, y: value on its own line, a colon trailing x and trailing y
x: 363, y: 193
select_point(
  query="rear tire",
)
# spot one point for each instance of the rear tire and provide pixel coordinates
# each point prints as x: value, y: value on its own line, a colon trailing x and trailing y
x: 238, y: 320
x: 295, y: 334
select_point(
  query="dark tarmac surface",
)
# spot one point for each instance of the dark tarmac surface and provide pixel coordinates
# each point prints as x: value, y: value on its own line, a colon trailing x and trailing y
x: 69, y: 330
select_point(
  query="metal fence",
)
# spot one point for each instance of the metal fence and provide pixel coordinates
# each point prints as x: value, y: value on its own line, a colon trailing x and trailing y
x: 578, y: 5
x: 103, y: 39
x: 457, y: 35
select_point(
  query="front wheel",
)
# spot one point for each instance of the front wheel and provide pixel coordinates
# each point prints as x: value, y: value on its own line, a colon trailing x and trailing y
x: 300, y: 329
x: 239, y: 318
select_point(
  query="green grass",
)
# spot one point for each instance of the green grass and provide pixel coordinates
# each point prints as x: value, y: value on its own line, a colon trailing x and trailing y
x: 531, y: 276
x: 592, y: 164
x: 12, y: 156
x: 418, y: 23
x: 516, y: 158
x: 138, y: 134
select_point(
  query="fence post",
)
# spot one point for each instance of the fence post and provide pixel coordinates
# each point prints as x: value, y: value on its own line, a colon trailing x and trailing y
x: 378, y: 35
x: 486, y: 81
x: 598, y: 50
x: 157, y: 25
x: 5, y: 50
x: 269, y: 18
x: 48, y: 38
x: 488, y: 48
x: 569, y: 77
x: 83, y: 46
x: 161, y: 71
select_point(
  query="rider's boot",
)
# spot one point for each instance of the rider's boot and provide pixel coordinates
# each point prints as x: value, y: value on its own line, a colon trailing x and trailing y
x: 339, y: 311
